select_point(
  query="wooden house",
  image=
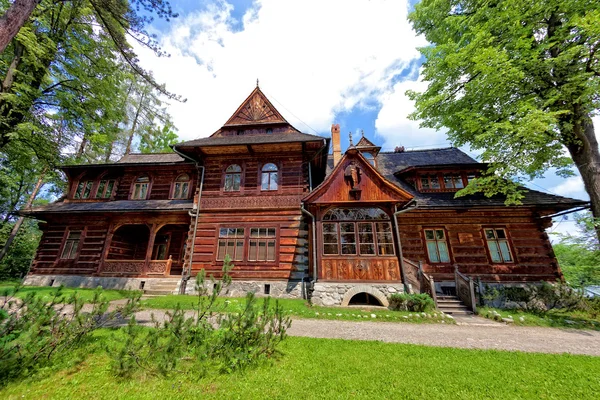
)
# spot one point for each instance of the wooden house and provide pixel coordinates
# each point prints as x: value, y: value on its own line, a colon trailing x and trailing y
x: 295, y: 220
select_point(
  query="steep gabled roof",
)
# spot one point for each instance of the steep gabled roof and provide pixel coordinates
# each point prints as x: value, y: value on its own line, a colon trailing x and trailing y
x: 139, y: 158
x: 364, y: 142
x: 256, y: 109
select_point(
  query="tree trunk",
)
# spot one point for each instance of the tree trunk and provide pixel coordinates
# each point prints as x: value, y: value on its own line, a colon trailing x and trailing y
x: 586, y: 155
x: 81, y: 149
x: 13, y: 19
x: 134, y: 124
x: 15, y: 229
x: 14, y: 64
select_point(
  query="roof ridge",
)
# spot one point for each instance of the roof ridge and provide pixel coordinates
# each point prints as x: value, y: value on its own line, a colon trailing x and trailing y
x: 420, y: 150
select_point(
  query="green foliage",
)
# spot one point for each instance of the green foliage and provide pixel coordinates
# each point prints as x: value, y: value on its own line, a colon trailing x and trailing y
x: 211, y: 338
x: 18, y: 259
x: 158, y: 139
x: 578, y: 264
x: 33, y: 331
x: 419, y: 302
x: 517, y: 80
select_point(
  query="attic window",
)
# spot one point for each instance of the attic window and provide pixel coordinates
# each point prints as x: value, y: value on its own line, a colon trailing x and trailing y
x: 453, y: 182
x: 269, y: 131
x: 369, y: 158
x: 239, y: 133
x: 430, y: 182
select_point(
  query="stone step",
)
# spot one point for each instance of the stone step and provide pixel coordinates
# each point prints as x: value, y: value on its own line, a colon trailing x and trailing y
x: 447, y: 297
x: 449, y: 302
x: 157, y: 292
x: 458, y: 312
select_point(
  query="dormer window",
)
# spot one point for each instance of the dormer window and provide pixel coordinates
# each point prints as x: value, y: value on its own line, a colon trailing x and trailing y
x: 140, y: 188
x: 269, y: 131
x: 369, y: 158
x: 84, y: 189
x: 105, y: 188
x: 233, y: 178
x: 182, y: 187
x: 453, y: 182
x: 430, y: 182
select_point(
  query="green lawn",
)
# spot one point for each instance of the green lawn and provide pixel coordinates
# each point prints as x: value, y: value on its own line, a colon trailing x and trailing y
x: 301, y: 309
x: 46, y: 292
x: 553, y: 318
x: 335, y: 369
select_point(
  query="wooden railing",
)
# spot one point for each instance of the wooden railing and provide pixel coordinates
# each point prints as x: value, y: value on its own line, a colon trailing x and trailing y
x: 465, y: 289
x: 418, y: 280
x: 137, y: 267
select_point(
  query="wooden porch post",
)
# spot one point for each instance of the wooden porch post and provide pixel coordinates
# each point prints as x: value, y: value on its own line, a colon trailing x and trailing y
x: 107, y: 242
x: 151, y: 239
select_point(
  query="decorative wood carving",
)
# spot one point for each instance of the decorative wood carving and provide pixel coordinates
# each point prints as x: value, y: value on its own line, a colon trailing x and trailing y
x: 251, y: 202
x: 123, y: 266
x: 360, y: 269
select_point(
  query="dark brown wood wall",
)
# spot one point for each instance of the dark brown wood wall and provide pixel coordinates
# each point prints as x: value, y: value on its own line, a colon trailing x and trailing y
x: 532, y: 251
x: 161, y: 180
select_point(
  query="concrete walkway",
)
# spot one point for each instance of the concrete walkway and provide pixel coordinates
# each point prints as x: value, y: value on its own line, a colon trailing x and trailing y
x: 469, y: 332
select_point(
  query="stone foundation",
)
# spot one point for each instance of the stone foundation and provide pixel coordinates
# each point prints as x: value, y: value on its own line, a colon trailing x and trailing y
x: 340, y: 294
x: 91, y: 282
x: 276, y: 289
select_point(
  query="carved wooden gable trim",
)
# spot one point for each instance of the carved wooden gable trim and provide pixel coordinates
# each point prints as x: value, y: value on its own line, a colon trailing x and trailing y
x: 256, y: 109
x: 354, y: 180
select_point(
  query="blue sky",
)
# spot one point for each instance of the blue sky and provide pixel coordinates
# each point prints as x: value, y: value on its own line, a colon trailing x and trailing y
x: 320, y: 62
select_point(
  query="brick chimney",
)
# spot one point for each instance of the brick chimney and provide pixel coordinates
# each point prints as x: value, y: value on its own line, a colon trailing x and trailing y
x: 337, y: 146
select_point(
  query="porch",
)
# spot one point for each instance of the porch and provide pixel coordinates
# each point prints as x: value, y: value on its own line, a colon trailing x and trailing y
x: 145, y: 250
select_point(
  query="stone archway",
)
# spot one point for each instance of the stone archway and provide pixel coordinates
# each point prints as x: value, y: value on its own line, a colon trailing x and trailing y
x: 364, y: 289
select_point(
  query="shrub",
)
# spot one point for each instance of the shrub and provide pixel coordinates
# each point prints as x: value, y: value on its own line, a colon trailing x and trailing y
x: 33, y: 331
x: 411, y: 302
x: 211, y: 338
x: 535, y: 298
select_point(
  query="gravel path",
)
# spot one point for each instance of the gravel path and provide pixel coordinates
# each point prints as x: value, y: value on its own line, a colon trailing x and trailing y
x: 469, y: 333
x: 469, y: 336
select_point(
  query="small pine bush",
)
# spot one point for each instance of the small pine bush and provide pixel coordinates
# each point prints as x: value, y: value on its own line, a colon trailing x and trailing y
x: 411, y: 302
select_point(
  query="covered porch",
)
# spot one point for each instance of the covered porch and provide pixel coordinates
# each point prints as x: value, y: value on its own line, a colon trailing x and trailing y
x: 145, y: 250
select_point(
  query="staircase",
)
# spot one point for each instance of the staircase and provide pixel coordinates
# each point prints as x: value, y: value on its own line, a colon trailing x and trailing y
x: 158, y: 287
x: 452, y: 305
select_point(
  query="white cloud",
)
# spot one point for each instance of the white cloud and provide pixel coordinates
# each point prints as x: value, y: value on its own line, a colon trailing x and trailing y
x: 316, y: 58
x: 571, y: 187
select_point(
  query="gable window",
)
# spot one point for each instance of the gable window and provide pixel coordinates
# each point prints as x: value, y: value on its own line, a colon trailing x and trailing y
x: 360, y: 231
x: 182, y: 187
x: 453, y: 182
x: 233, y: 178
x: 269, y: 131
x: 84, y: 189
x: 231, y: 241
x: 430, y: 182
x: 71, y: 245
x: 261, y: 244
x: 269, y: 179
x: 105, y: 188
x: 471, y: 177
x: 497, y: 243
x: 140, y: 188
x: 437, y: 247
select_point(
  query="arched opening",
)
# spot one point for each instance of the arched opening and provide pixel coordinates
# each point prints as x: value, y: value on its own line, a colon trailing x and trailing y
x: 129, y: 242
x: 364, y: 299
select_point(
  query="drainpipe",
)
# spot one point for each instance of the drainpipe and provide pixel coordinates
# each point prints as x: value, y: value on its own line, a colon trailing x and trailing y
x: 396, y: 213
x: 310, y: 177
x: 314, y: 241
x: 185, y: 275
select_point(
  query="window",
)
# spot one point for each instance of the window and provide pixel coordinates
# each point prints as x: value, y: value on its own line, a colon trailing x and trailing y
x: 231, y: 241
x: 71, y: 245
x: 269, y: 131
x: 497, y: 242
x: 453, y: 182
x: 430, y: 182
x: 105, y: 188
x: 269, y: 177
x: 369, y: 158
x: 140, y: 188
x: 182, y: 187
x: 261, y: 244
x: 233, y: 178
x: 84, y: 189
x: 357, y: 233
x: 437, y: 248
x: 470, y: 177
x: 160, y: 247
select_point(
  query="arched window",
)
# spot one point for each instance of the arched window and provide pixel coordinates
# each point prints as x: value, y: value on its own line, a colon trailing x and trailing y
x: 369, y: 158
x: 182, y: 187
x: 269, y: 177
x: 233, y: 178
x: 140, y: 187
x: 357, y: 231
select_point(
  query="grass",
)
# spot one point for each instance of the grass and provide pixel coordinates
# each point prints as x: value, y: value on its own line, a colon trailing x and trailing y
x: 333, y: 369
x: 47, y: 291
x: 298, y: 308
x: 552, y: 318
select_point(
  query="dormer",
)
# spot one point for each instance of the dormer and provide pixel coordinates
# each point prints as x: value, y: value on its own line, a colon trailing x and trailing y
x: 441, y: 177
x: 368, y: 149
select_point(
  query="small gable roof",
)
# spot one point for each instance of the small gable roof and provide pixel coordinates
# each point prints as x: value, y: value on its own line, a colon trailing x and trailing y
x: 394, y: 192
